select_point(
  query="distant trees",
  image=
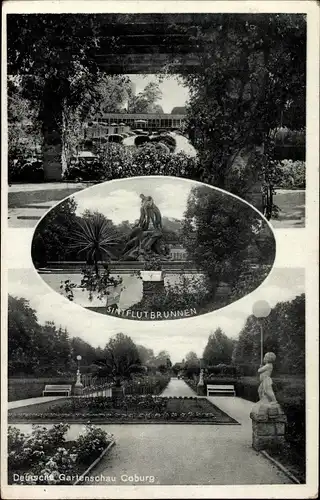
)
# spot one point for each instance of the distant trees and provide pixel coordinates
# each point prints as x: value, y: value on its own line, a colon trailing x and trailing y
x: 120, y: 358
x: 218, y: 349
x: 35, y: 349
x: 146, y: 100
x: 48, y: 350
x: 284, y: 334
x: 191, y: 365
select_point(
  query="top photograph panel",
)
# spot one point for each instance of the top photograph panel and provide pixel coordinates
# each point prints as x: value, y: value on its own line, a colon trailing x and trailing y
x: 215, y: 98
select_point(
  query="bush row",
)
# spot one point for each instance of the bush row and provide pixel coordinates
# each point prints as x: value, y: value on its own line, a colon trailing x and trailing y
x: 46, y: 453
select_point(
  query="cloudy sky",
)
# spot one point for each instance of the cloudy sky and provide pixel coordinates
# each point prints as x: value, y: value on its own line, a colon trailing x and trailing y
x: 120, y: 200
x: 173, y: 92
x: 177, y: 336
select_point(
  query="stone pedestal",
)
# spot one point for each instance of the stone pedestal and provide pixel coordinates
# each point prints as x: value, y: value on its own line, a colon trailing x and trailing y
x: 268, y: 426
x: 117, y: 394
x: 78, y: 386
x: 201, y: 390
x: 152, y: 283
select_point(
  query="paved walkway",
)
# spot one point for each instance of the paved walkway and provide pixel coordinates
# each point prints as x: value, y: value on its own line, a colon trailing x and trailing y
x: 185, y: 454
x: 32, y: 401
x: 177, y: 388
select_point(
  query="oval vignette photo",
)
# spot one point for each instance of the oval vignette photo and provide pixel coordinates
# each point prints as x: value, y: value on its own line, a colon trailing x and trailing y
x: 153, y: 248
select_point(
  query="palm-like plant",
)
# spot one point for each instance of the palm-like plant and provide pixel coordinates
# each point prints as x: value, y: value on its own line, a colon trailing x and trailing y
x: 93, y: 237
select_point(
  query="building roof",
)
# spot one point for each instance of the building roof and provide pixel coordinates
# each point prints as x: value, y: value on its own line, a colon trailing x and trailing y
x: 179, y: 110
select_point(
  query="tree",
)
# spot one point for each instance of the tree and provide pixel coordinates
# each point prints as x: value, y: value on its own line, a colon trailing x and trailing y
x: 121, y: 358
x: 145, y: 101
x: 163, y: 359
x: 52, y: 236
x: 219, y: 236
x: 146, y: 355
x: 284, y: 334
x: 35, y: 349
x: 218, y: 349
x: 93, y: 237
x: 23, y: 327
x: 53, y: 54
x: 23, y: 125
x: 191, y: 365
x: 252, y: 71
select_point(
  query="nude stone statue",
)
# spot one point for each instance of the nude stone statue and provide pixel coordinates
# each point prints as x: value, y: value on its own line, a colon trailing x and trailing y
x: 265, y: 390
x: 149, y: 212
x: 145, y: 240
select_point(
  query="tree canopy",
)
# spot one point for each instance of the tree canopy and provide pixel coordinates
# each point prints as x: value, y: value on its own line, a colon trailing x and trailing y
x: 218, y: 349
x: 222, y: 237
x: 146, y: 100
x: 252, y: 79
x: 284, y: 334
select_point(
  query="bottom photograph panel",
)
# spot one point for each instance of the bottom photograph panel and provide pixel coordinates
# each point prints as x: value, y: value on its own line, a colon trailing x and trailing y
x: 219, y: 400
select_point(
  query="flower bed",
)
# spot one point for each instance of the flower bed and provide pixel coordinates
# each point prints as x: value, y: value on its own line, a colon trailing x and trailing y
x: 130, y: 409
x: 45, y: 457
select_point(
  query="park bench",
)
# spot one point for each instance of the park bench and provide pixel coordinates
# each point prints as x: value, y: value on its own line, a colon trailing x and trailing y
x: 220, y: 390
x: 64, y: 390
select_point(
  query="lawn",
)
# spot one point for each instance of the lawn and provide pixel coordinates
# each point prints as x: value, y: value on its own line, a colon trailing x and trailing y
x: 131, y: 409
x: 291, y: 205
x: 21, y: 197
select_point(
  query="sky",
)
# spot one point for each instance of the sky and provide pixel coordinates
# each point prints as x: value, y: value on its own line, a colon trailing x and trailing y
x: 173, y: 92
x: 120, y: 201
x: 178, y: 337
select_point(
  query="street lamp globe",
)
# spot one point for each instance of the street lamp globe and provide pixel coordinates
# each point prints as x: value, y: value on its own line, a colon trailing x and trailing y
x: 79, y: 358
x: 261, y: 309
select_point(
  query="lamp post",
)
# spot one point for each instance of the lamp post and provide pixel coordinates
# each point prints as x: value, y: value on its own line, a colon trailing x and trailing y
x: 78, y: 387
x: 261, y: 309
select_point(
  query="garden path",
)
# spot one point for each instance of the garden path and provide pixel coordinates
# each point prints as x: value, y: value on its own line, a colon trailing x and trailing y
x: 185, y: 454
x: 32, y: 401
x: 178, y: 388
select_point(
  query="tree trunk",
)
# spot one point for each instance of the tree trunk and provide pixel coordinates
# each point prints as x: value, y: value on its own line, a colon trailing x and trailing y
x: 51, y: 120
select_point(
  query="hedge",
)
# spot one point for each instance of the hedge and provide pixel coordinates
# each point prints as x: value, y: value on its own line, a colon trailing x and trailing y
x: 24, y: 388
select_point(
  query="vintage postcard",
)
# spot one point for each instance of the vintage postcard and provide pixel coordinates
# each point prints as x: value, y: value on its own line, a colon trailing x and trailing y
x: 159, y: 249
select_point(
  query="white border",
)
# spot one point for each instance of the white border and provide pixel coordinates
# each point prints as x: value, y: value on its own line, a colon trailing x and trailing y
x: 311, y: 8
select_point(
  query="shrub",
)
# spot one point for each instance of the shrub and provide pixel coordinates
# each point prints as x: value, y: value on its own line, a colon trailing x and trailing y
x: 43, y: 452
x: 223, y: 370
x: 117, y: 161
x: 290, y: 174
x: 26, y: 170
x: 29, y: 449
x: 89, y: 445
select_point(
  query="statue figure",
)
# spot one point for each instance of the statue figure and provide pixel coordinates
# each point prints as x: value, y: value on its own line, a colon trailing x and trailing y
x: 268, y: 418
x: 201, y: 382
x: 144, y: 240
x: 265, y: 390
x: 149, y: 212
